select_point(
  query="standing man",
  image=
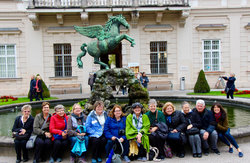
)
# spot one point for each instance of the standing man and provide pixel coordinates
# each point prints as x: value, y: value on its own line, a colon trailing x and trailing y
x: 32, y: 87
x: 208, y: 125
x: 91, y: 80
x: 144, y: 80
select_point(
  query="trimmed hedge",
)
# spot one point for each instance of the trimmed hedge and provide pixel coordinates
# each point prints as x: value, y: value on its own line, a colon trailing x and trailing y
x: 201, y: 85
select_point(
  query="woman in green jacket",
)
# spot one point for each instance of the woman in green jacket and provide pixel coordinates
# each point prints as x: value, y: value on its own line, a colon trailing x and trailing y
x: 137, y: 127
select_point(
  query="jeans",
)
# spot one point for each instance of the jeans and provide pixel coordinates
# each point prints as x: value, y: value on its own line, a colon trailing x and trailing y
x: 98, y: 145
x: 225, y: 137
x: 73, y: 141
x: 42, y: 148
x: 231, y: 94
x: 110, y: 144
x: 213, y: 138
x: 195, y: 143
x: 59, y: 147
x: 20, y: 145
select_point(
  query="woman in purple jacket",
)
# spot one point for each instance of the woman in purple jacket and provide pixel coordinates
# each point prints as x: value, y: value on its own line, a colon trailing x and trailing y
x: 115, y: 128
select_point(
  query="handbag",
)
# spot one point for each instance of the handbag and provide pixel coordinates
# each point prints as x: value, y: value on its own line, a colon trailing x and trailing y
x: 153, y: 154
x: 174, y: 136
x: 20, y: 137
x: 193, y: 130
x: 116, y: 158
x: 167, y: 151
x: 31, y: 142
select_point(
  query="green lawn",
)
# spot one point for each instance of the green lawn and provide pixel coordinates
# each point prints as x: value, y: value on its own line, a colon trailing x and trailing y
x: 218, y: 93
x: 22, y: 100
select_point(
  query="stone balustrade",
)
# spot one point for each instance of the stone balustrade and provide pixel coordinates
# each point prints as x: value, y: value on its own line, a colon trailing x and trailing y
x: 104, y: 3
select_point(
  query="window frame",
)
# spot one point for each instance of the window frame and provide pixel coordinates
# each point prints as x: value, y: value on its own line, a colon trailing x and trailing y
x: 6, y: 63
x: 158, y: 60
x: 62, y: 45
x: 211, y: 57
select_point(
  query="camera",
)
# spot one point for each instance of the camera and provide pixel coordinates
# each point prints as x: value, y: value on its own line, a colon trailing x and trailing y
x: 121, y: 132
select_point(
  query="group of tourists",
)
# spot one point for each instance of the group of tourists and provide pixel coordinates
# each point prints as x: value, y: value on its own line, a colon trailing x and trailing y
x: 36, y: 88
x: 137, y: 132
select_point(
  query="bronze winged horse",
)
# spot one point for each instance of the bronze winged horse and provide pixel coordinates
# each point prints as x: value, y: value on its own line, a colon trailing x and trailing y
x: 108, y: 38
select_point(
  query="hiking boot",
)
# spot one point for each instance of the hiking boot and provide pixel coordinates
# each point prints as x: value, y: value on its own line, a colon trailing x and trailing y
x: 126, y: 159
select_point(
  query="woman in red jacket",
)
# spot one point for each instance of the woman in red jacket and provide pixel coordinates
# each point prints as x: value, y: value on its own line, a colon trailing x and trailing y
x: 58, y: 128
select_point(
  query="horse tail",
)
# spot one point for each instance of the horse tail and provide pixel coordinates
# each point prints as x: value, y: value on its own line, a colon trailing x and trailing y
x: 82, y: 54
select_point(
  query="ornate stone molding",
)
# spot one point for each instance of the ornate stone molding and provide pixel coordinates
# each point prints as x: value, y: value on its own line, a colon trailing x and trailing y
x: 59, y: 18
x: 158, y: 27
x: 85, y: 18
x: 134, y: 18
x: 184, y: 16
x: 33, y: 17
x: 159, y: 17
x: 10, y: 31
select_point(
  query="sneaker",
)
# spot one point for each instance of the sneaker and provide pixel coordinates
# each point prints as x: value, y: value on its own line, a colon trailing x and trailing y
x: 216, y: 151
x: 143, y: 159
x: 99, y: 159
x: 51, y: 160
x: 34, y: 161
x: 126, y: 159
x: 139, y: 159
x: 72, y: 159
x: 240, y: 154
x: 195, y: 155
x: 18, y: 161
x: 58, y: 160
x: 93, y: 160
x: 231, y: 150
x: 199, y: 155
x: 25, y: 160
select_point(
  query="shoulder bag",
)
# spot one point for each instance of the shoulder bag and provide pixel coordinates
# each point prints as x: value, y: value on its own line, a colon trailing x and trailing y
x: 31, y: 142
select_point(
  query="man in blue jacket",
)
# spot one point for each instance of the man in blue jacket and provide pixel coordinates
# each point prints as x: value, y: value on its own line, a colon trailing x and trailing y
x: 207, y: 131
x: 32, y: 87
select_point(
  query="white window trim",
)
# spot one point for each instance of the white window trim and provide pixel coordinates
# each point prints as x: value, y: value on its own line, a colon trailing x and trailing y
x: 15, y: 55
x: 203, y: 50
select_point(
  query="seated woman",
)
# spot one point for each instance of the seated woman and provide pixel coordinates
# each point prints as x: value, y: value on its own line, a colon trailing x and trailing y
x: 22, y: 130
x: 58, y: 128
x: 43, y: 142
x: 115, y: 128
x: 137, y: 128
x: 76, y: 119
x: 193, y: 121
x: 95, y: 127
x: 176, y: 124
x: 223, y: 129
x: 155, y: 116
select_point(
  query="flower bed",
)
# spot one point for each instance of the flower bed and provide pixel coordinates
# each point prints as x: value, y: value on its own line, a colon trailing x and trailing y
x: 7, y: 98
x: 237, y: 92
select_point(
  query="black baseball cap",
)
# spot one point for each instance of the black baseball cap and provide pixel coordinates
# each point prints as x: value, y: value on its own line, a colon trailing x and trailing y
x: 137, y: 104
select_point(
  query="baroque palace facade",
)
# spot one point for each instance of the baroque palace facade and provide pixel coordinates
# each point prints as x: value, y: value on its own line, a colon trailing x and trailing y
x: 174, y: 39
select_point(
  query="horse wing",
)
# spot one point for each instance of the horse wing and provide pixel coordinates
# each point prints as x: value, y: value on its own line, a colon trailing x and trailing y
x: 94, y: 31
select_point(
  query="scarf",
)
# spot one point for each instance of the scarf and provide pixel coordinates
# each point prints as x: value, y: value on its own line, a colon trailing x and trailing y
x: 137, y: 122
x: 77, y: 120
x: 217, y: 116
x: 169, y: 119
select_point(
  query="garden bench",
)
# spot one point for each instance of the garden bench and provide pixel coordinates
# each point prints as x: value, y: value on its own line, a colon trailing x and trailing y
x: 65, y: 88
x: 160, y: 85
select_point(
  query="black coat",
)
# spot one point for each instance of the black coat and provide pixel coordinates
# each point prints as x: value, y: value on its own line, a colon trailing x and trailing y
x: 208, y: 122
x: 178, y: 121
x: 28, y: 125
x: 193, y: 118
x: 39, y: 85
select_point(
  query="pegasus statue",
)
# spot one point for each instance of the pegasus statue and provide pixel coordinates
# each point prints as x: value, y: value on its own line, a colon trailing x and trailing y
x: 108, y: 38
